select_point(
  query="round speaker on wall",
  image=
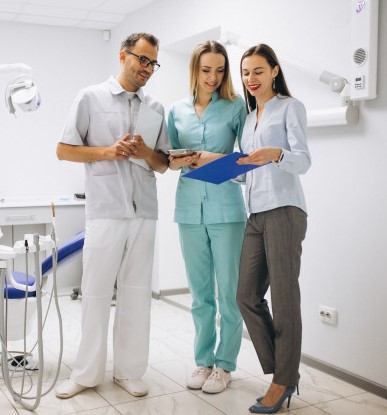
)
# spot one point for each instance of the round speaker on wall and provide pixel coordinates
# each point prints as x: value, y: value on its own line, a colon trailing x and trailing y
x: 360, y: 56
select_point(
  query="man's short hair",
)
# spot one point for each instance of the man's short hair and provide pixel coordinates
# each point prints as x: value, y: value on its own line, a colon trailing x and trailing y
x: 131, y: 40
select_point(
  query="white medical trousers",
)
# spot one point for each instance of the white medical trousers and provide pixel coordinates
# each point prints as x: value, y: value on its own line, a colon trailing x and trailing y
x: 119, y: 249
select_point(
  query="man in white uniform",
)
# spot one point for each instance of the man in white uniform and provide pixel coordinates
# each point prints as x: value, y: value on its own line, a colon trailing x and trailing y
x: 121, y: 214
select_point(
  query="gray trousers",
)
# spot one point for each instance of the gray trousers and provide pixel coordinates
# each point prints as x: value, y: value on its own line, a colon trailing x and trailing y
x: 271, y: 256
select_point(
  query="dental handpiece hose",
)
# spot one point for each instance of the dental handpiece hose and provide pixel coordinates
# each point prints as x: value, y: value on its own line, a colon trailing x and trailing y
x: 53, y: 228
x: 38, y: 276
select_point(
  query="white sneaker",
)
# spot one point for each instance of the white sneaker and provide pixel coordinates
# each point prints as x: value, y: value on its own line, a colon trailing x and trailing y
x: 217, y: 381
x: 198, y: 377
x: 69, y: 388
x: 135, y: 387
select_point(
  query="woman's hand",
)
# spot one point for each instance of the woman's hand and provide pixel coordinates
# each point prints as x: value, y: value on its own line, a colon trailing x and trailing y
x: 205, y: 157
x: 262, y: 156
x: 176, y: 163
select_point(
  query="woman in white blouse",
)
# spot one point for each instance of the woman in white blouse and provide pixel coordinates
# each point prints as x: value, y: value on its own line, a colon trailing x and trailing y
x: 274, y: 137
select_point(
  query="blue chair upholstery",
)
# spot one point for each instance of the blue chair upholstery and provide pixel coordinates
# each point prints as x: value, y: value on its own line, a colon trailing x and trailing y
x: 65, y: 252
x: 13, y: 292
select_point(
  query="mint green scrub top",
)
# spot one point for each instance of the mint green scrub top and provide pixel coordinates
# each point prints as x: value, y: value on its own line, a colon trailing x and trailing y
x: 216, y: 131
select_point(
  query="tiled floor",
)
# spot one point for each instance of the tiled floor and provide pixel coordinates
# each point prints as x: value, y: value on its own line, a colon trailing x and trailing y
x: 171, y: 352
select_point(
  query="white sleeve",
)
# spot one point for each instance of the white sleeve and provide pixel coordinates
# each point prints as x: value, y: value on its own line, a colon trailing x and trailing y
x: 77, y: 124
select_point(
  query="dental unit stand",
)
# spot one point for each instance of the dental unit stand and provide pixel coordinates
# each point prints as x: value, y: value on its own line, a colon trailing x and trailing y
x: 34, y: 244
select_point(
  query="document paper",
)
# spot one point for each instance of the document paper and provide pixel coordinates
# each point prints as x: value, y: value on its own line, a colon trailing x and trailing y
x: 148, y: 125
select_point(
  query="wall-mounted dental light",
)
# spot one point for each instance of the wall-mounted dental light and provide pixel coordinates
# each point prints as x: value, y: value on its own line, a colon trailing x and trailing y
x: 21, y: 92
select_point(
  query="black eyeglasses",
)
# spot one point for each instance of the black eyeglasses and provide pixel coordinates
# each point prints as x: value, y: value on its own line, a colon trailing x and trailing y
x: 145, y: 62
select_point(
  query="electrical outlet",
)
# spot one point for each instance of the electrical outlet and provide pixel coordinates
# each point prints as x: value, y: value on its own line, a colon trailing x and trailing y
x: 328, y: 314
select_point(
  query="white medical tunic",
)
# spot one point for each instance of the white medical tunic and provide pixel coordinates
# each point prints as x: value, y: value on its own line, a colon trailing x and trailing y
x: 101, y: 115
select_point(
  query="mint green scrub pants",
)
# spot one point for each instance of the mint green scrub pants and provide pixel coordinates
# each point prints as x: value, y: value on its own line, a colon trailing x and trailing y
x: 213, y: 251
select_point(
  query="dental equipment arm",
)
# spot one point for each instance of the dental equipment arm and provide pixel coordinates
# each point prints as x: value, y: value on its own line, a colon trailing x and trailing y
x: 345, y: 114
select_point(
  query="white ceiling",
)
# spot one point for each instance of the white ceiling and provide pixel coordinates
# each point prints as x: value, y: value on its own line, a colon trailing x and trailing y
x: 88, y: 14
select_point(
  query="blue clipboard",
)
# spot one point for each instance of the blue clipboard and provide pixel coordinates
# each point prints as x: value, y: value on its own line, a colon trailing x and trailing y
x: 221, y: 170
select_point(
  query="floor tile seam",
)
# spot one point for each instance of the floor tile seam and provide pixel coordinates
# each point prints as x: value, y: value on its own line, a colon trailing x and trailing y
x: 168, y: 377
x: 209, y: 403
x: 243, y: 379
x: 320, y: 402
x: 349, y: 396
x: 331, y: 400
x: 147, y: 398
x: 15, y: 409
x: 253, y: 376
x: 91, y: 409
x: 98, y: 393
x: 12, y: 403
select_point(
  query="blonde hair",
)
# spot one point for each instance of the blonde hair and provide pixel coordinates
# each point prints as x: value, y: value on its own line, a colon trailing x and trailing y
x: 226, y: 89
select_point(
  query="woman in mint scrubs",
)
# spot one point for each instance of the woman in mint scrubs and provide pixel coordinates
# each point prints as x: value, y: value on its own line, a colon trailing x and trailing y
x: 211, y: 217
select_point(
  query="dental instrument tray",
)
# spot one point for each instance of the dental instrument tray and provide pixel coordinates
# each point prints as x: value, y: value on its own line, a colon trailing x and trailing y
x: 181, y: 152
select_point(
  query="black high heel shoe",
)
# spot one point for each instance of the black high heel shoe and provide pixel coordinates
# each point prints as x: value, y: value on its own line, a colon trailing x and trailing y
x: 258, y: 408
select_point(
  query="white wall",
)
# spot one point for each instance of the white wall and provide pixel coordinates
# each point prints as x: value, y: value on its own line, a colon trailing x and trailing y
x: 63, y: 60
x: 344, y: 264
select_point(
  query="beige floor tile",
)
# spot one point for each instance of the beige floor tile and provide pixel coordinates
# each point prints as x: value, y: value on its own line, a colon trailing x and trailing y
x: 167, y: 317
x: 183, y: 403
x: 31, y: 376
x: 240, y: 395
x: 171, y: 359
x: 108, y: 410
x: 6, y: 407
x: 309, y: 410
x: 158, y: 384
x: 51, y: 405
x: 362, y: 404
x: 169, y: 348
x: 317, y: 387
x: 176, y: 370
x: 248, y: 360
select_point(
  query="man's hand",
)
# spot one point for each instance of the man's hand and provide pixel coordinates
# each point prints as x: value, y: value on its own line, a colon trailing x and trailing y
x: 138, y: 149
x: 120, y: 150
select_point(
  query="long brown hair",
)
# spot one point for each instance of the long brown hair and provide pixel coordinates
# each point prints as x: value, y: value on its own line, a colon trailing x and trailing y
x: 226, y: 89
x: 279, y: 85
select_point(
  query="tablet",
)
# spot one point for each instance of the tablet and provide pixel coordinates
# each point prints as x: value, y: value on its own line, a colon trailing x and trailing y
x: 181, y: 152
